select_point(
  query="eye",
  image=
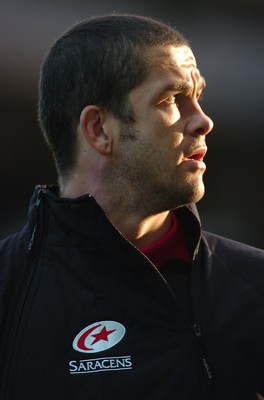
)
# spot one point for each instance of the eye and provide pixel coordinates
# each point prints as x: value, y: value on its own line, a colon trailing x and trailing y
x: 177, y: 99
x: 173, y: 99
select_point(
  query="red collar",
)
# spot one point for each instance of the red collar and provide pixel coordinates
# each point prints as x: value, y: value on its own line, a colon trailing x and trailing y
x: 171, y: 245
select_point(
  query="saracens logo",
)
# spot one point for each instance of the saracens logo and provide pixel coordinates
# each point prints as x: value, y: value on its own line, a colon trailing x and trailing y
x: 99, y: 336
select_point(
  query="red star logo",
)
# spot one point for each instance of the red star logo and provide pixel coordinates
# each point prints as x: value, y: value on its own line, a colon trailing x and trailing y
x: 103, y: 335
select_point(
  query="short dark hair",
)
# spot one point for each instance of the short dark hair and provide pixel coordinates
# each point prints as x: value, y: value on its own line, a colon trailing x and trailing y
x: 98, y: 61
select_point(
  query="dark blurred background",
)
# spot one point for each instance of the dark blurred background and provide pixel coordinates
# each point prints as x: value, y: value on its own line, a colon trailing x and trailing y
x: 228, y: 40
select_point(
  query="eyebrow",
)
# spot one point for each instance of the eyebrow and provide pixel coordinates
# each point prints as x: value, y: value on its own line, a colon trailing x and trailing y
x: 179, y: 85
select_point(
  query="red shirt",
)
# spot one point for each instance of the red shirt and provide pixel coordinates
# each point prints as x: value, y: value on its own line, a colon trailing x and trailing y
x: 172, y: 245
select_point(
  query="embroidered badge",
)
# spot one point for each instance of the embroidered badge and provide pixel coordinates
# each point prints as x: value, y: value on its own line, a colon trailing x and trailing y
x: 99, y: 336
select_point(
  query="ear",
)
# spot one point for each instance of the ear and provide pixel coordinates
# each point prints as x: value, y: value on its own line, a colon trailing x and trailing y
x: 91, y: 124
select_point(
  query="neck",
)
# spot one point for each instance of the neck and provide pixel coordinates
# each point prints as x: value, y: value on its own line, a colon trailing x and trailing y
x: 131, y: 215
x: 142, y: 231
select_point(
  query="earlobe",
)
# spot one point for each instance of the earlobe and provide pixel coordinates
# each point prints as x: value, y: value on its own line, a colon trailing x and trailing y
x: 91, y: 124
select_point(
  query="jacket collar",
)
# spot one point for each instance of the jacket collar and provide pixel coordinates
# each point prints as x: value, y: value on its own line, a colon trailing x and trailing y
x: 81, y: 220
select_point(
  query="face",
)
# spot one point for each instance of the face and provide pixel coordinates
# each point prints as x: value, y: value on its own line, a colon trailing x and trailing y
x: 161, y: 154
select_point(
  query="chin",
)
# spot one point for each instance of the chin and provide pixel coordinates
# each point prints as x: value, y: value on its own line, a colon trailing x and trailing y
x: 192, y: 194
x: 180, y: 199
x: 198, y: 194
x: 176, y: 195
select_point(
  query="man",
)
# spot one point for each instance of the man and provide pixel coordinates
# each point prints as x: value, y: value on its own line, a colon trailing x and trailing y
x: 112, y: 291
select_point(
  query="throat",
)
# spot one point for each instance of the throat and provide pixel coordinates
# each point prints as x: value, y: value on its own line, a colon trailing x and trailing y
x: 150, y: 230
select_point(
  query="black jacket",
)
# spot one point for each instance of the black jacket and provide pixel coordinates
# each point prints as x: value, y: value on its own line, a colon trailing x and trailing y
x: 85, y: 315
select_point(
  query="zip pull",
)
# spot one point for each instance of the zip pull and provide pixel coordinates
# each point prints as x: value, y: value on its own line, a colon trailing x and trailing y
x: 205, y: 365
x: 197, y: 331
x: 34, y: 232
x: 207, y: 370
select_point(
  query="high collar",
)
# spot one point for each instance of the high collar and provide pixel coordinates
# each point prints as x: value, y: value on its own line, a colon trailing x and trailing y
x: 67, y: 221
x: 81, y: 220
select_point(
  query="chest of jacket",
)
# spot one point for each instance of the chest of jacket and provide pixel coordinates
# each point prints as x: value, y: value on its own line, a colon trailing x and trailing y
x: 91, y: 316
x: 126, y: 325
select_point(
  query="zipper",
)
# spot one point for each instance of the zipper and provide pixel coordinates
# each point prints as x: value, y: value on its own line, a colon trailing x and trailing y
x: 35, y: 228
x: 197, y: 327
x: 202, y: 354
x: 21, y: 300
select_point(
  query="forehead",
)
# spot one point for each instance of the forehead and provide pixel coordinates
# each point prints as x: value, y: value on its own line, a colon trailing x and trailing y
x: 173, y: 56
x: 174, y: 64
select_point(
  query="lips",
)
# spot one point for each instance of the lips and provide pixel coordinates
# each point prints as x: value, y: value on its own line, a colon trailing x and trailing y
x: 197, y: 154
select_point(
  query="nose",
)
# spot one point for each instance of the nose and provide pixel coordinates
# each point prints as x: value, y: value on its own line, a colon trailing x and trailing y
x: 199, y: 123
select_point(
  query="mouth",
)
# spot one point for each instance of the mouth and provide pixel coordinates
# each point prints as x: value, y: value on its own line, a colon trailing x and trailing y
x: 194, y: 159
x: 197, y: 155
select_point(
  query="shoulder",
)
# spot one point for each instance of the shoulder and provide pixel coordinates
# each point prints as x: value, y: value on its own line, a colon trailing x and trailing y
x: 11, y: 243
x: 228, y: 257
x: 227, y: 247
x: 13, y: 251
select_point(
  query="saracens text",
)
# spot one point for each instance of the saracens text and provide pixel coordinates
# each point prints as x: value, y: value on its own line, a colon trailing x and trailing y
x: 100, y: 365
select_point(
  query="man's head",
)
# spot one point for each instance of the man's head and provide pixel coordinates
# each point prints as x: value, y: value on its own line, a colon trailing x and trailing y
x: 99, y: 61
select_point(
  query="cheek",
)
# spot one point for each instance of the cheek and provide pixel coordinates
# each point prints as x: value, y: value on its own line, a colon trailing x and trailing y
x: 174, y: 116
x: 161, y: 132
x: 168, y: 150
x: 170, y: 137
x: 177, y: 140
x: 173, y: 129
